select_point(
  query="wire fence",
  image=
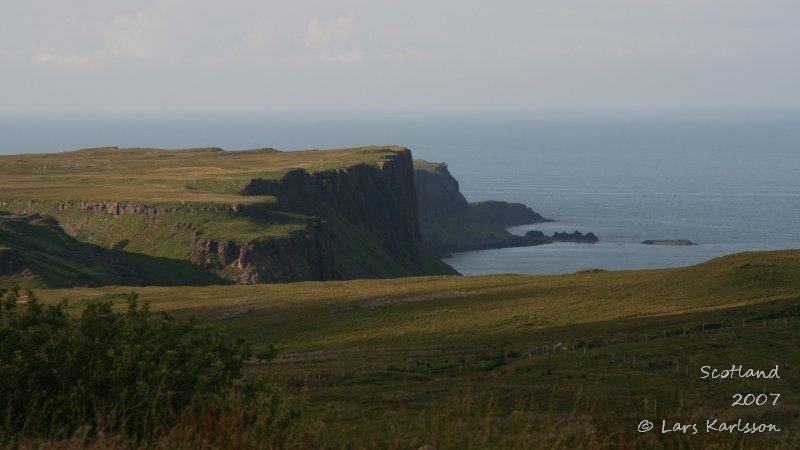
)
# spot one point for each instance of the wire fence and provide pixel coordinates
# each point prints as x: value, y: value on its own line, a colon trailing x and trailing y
x: 598, y: 349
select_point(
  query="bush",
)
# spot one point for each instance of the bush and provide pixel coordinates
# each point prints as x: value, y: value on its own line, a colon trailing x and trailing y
x: 116, y: 372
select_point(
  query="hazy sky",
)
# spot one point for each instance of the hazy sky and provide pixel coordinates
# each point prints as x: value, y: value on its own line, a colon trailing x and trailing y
x: 248, y: 55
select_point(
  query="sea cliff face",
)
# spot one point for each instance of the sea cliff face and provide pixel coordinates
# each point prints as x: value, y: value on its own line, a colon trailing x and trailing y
x: 449, y: 223
x: 438, y: 193
x: 379, y: 199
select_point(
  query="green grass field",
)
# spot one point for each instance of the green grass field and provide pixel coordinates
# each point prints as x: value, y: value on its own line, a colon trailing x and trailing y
x: 572, y: 361
x: 206, y: 175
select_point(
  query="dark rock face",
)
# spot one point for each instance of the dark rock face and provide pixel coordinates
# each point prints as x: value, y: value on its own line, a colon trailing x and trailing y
x: 676, y: 243
x: 438, y: 194
x: 379, y: 199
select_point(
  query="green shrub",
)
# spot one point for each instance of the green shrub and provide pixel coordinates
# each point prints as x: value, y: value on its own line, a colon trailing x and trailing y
x: 112, y: 371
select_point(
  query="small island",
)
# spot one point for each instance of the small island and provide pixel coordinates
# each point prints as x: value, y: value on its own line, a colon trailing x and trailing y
x: 673, y: 242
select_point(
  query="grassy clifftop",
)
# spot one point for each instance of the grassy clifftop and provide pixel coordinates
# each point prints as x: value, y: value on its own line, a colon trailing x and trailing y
x: 157, y: 175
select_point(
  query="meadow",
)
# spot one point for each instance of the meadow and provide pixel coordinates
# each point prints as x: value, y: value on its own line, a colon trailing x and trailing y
x: 571, y: 361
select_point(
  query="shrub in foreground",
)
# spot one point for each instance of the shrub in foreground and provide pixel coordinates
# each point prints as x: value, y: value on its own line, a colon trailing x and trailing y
x: 116, y: 372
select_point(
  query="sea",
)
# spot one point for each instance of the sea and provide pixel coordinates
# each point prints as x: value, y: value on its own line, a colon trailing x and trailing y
x: 726, y: 180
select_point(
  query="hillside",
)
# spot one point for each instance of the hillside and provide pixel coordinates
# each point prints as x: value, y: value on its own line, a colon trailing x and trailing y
x: 245, y: 217
x: 413, y: 309
x: 35, y: 251
x: 519, y: 361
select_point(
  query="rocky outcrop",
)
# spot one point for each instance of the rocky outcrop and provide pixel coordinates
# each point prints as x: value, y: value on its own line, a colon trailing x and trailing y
x: 117, y: 208
x: 674, y: 242
x: 576, y: 236
x: 512, y: 241
x: 532, y: 238
x: 303, y: 255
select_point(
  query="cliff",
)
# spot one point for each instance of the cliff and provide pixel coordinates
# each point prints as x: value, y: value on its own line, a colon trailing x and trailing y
x: 301, y: 256
x: 438, y: 193
x: 199, y: 216
x: 449, y: 223
x: 378, y: 199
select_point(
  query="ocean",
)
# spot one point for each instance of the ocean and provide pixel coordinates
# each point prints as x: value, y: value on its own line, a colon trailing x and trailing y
x: 727, y: 181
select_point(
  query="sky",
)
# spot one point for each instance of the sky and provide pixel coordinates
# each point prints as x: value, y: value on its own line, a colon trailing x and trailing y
x: 350, y: 55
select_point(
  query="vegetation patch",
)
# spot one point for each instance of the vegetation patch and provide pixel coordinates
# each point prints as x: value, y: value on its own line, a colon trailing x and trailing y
x: 121, y: 373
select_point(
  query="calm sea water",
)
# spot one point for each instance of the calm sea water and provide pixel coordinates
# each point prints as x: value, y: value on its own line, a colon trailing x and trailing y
x: 729, y: 182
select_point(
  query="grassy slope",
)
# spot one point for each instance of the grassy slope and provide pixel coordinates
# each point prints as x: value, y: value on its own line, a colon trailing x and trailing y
x: 162, y: 235
x: 57, y: 259
x: 357, y: 312
x: 388, y: 358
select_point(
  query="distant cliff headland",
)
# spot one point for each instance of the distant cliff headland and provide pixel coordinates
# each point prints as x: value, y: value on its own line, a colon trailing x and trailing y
x: 450, y: 224
x: 207, y: 216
